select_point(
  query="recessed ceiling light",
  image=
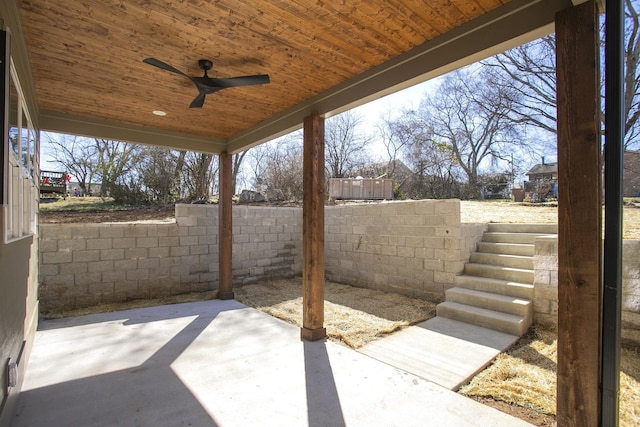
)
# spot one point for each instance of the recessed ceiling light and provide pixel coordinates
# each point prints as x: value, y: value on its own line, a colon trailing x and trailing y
x: 159, y: 113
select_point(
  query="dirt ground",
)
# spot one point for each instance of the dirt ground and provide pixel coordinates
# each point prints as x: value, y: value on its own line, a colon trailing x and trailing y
x: 136, y: 213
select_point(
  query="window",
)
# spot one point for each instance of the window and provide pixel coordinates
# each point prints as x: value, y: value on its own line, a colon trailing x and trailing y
x: 20, y: 164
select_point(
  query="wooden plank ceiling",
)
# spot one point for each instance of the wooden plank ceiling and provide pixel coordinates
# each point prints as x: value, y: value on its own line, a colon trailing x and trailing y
x: 86, y: 56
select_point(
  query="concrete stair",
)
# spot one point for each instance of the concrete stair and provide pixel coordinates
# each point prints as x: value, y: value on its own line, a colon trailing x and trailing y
x: 495, y: 290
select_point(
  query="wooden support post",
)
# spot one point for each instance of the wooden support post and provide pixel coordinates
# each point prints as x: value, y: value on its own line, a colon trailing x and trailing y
x: 225, y: 235
x: 579, y: 216
x: 313, y: 230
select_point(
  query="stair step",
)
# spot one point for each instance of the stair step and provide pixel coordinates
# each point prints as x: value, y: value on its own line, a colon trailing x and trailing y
x: 503, y: 322
x: 505, y: 237
x: 499, y: 272
x: 524, y: 249
x: 505, y: 304
x: 515, y: 261
x: 502, y: 287
x: 524, y: 228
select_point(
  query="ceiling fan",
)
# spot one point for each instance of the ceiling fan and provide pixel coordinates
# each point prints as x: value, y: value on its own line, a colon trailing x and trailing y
x: 207, y: 85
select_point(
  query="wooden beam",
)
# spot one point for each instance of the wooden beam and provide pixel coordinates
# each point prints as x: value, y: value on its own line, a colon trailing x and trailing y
x: 313, y: 230
x: 225, y: 235
x: 579, y: 216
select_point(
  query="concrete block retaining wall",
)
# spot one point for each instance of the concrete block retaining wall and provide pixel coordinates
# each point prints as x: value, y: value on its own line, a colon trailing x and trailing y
x: 414, y: 248
x: 546, y: 308
x: 87, y: 264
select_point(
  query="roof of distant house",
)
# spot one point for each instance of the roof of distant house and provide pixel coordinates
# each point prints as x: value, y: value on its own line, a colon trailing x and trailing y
x: 543, y: 168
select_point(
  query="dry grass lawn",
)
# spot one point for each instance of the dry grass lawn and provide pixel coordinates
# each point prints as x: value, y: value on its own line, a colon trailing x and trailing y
x: 526, y: 376
x: 505, y: 211
x: 353, y: 316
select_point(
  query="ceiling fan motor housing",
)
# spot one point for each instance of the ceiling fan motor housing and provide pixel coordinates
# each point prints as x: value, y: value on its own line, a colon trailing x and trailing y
x: 205, y: 64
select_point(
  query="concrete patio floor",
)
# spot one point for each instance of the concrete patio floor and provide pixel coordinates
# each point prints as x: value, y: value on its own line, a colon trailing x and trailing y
x: 444, y: 351
x: 220, y: 363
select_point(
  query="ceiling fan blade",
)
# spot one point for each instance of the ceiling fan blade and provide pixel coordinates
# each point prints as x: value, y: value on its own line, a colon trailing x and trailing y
x: 164, y: 66
x: 207, y: 85
x: 258, y: 79
x: 198, y: 101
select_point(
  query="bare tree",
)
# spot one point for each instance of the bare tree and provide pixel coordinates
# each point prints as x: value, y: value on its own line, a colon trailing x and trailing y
x: 632, y: 74
x: 282, y: 166
x: 199, y: 175
x: 467, y: 118
x: 237, y: 169
x: 395, y: 134
x: 158, y: 171
x: 115, y: 160
x: 258, y: 157
x: 77, y: 155
x: 345, y: 144
x: 529, y: 71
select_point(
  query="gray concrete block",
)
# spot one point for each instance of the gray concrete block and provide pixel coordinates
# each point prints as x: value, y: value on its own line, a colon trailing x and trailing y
x: 57, y: 257
x: 84, y: 231
x: 159, y: 252
x: 136, y: 253
x: 86, y: 255
x: 100, y: 266
x: 124, y: 243
x: 73, y: 268
x: 148, y: 263
x: 125, y: 265
x: 99, y: 243
x: 111, y: 254
x: 147, y: 242
x: 138, y: 274
x: 135, y: 230
x: 88, y: 279
x: 168, y: 241
x: 111, y: 231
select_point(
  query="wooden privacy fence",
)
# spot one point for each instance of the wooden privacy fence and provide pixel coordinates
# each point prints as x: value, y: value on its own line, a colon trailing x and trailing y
x: 361, y: 189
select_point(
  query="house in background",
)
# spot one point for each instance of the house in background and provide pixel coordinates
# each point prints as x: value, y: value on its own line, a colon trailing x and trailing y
x: 543, y: 178
x: 543, y: 172
x: 543, y: 182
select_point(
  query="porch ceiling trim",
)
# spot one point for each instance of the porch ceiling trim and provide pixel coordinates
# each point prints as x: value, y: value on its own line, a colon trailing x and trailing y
x: 82, y: 126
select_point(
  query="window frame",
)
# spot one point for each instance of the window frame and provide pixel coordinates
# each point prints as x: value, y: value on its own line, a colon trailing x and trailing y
x: 19, y: 181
